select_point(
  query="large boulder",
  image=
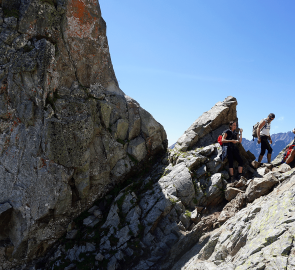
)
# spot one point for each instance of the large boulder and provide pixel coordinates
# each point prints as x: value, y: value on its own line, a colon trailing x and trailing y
x: 68, y: 133
x: 209, y: 125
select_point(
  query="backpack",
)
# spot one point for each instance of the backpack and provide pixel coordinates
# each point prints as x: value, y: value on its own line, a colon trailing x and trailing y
x: 255, y: 127
x: 288, y: 152
x: 219, y: 139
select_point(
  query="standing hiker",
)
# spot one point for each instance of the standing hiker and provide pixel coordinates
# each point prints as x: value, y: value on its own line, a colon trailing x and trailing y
x: 263, y: 136
x: 230, y: 150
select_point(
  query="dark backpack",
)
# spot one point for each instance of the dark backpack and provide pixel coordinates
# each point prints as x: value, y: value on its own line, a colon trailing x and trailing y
x: 255, y: 127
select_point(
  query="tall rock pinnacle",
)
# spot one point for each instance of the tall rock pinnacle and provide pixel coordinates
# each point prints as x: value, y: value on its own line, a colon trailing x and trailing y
x: 68, y: 134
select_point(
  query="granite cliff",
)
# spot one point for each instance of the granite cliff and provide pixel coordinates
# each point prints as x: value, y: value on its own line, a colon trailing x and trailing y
x: 68, y: 133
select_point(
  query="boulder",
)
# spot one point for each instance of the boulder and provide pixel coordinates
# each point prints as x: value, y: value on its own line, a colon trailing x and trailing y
x: 284, y: 168
x: 260, y: 186
x: 231, y: 193
x: 206, y: 128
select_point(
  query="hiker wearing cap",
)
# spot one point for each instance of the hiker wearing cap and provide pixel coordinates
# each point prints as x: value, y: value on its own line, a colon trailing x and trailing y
x: 230, y: 139
x: 290, y: 160
x: 263, y: 136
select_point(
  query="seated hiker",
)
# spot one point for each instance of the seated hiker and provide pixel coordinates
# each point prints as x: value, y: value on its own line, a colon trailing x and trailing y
x: 291, y: 155
x: 230, y: 150
x: 263, y: 136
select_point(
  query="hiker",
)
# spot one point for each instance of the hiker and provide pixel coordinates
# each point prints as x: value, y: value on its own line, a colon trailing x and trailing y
x: 290, y: 159
x: 263, y: 137
x: 230, y: 139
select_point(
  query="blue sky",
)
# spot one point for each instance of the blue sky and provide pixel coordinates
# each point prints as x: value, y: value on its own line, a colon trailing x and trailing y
x: 178, y: 58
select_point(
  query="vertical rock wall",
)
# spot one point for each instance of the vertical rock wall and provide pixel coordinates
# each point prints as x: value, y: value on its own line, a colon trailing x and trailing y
x: 68, y: 133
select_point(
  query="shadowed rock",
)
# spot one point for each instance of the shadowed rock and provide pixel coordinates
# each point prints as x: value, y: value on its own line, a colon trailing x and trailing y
x: 68, y: 134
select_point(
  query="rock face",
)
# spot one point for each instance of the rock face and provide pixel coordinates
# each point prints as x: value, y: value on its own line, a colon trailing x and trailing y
x: 206, y: 129
x: 183, y: 214
x: 68, y: 134
x: 261, y: 236
x: 153, y: 221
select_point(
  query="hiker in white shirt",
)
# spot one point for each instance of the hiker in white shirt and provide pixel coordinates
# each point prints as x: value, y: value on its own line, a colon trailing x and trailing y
x: 263, y: 136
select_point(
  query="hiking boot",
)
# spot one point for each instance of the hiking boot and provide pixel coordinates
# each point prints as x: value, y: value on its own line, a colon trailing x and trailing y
x: 232, y: 179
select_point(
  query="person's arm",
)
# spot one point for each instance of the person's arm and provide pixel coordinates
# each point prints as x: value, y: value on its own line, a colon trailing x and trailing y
x: 240, y: 136
x: 224, y: 140
x: 270, y: 140
x: 258, y: 130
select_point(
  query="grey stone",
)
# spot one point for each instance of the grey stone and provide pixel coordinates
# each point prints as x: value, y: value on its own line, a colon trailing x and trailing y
x: 201, y: 171
x: 133, y: 218
x: 123, y: 235
x: 122, y: 126
x: 185, y: 219
x: 7, y: 36
x: 71, y: 234
x: 92, y: 209
x: 195, y: 217
x: 262, y: 171
x: 11, y: 22
x: 221, y: 114
x: 112, y: 265
x: 260, y: 186
x: 181, y: 179
x: 195, y: 161
x: 137, y: 148
x: 213, y: 193
x: 113, y: 219
x: 231, y: 193
x: 99, y: 257
x: 284, y: 168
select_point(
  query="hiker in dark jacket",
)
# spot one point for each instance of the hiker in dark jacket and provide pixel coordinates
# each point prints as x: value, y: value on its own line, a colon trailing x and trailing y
x: 230, y: 139
x: 291, y: 158
x: 263, y: 136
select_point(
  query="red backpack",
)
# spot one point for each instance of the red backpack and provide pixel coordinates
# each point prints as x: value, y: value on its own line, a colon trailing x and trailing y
x: 219, y: 140
x: 287, y: 152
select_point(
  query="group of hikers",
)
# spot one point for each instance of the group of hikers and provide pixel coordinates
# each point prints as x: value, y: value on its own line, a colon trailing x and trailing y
x: 231, y: 137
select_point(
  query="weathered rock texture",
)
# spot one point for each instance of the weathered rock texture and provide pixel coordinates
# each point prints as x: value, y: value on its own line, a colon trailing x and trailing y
x: 154, y: 220
x: 68, y: 133
x: 206, y: 129
x: 261, y: 236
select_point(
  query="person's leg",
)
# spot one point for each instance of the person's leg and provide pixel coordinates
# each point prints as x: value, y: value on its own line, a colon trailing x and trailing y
x: 263, y: 148
x: 291, y: 157
x: 231, y: 171
x: 240, y: 162
x: 269, y: 151
x: 230, y: 163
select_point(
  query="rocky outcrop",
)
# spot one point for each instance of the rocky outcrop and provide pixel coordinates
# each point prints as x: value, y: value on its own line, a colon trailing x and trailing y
x: 206, y: 129
x: 153, y: 221
x: 68, y: 134
x: 183, y: 214
x: 261, y: 236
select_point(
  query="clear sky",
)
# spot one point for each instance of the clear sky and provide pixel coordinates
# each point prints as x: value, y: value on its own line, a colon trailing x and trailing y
x: 178, y: 58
